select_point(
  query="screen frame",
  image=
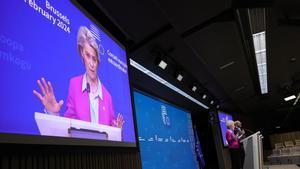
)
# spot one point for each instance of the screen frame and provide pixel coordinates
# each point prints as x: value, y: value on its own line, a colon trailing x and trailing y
x: 220, y: 128
x: 29, y: 139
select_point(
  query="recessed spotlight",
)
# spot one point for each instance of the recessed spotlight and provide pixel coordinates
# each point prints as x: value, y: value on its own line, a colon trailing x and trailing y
x: 290, y: 98
x: 218, y: 106
x: 293, y: 59
x: 204, y: 96
x: 211, y: 102
x: 179, y: 77
x: 162, y: 64
x: 194, y: 88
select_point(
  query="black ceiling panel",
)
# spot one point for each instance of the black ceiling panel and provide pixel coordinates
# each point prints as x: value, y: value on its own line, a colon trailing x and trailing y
x: 184, y: 15
x: 219, y: 45
x: 137, y: 19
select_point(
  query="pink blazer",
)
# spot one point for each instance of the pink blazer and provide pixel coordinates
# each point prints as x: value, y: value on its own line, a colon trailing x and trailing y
x: 78, y: 106
x: 232, y: 140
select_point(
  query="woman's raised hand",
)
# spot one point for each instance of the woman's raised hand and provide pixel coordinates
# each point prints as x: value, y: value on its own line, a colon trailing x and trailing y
x: 47, y: 97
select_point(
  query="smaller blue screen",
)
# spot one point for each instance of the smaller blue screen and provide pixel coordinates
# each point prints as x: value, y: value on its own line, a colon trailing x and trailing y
x: 223, y: 118
x: 166, y: 135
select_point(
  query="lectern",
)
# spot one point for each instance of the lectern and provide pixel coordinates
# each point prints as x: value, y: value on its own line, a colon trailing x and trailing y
x: 51, y: 125
x: 253, y: 146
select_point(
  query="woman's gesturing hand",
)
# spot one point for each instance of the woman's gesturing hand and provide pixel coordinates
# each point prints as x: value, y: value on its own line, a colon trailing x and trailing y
x: 47, y: 97
x: 119, y: 121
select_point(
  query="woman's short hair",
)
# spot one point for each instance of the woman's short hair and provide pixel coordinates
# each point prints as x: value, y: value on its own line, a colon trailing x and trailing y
x: 238, y: 123
x: 229, y: 123
x: 84, y: 35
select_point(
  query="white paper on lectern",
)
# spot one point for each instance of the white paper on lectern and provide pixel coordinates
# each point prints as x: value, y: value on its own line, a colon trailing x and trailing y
x: 51, y: 125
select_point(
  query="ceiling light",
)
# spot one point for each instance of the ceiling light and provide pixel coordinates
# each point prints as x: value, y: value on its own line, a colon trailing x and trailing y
x: 194, y: 88
x: 204, y: 96
x: 290, y: 98
x: 211, y: 102
x: 179, y: 77
x: 218, y: 106
x: 259, y: 44
x: 259, y: 40
x: 162, y: 64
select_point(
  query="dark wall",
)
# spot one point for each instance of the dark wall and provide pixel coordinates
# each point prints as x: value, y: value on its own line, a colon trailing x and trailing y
x: 66, y: 157
x: 281, y: 121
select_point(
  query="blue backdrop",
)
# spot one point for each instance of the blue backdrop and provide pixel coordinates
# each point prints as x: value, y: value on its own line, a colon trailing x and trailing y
x: 32, y: 46
x: 166, y: 135
x: 223, y: 118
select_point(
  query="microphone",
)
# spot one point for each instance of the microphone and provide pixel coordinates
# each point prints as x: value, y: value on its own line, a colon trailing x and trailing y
x: 88, y: 87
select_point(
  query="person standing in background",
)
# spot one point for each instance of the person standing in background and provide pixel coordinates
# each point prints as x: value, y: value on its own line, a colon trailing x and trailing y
x: 241, y: 135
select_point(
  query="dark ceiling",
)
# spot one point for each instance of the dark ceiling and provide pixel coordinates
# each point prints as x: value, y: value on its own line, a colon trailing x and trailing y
x: 198, y: 38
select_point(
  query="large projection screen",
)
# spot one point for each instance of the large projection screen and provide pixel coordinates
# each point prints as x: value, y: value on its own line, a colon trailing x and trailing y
x: 62, y: 76
x: 166, y: 137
